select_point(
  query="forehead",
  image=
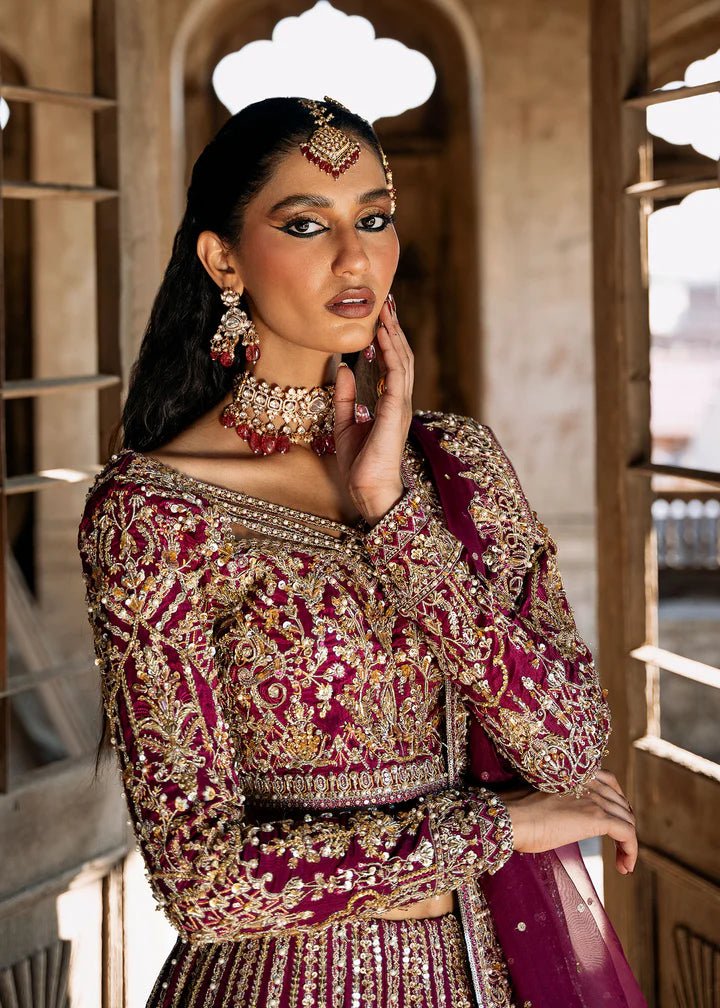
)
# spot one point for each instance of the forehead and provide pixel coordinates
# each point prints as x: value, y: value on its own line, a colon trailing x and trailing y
x: 295, y: 174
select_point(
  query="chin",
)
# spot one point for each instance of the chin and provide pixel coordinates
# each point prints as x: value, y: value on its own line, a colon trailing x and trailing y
x: 349, y: 338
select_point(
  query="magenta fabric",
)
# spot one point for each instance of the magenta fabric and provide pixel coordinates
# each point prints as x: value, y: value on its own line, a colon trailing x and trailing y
x: 556, y: 937
x: 414, y: 963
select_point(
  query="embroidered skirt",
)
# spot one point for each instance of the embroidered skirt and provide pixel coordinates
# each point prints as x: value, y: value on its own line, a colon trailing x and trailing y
x: 365, y: 963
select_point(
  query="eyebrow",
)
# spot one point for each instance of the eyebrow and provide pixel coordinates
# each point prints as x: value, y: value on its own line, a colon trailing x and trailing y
x: 314, y: 199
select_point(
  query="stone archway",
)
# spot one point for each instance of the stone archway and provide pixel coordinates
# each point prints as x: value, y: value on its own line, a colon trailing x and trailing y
x: 434, y: 151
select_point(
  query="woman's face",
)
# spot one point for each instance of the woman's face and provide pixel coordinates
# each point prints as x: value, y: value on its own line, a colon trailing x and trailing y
x: 309, y: 239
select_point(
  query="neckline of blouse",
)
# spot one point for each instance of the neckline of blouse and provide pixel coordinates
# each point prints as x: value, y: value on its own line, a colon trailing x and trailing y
x: 257, y: 503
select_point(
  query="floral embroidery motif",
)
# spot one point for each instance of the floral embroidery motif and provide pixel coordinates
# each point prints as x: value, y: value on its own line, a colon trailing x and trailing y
x: 277, y: 701
x: 507, y: 639
x: 168, y: 592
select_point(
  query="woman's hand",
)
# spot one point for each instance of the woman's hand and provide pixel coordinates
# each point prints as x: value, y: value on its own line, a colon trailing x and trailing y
x: 369, y: 453
x: 542, y: 822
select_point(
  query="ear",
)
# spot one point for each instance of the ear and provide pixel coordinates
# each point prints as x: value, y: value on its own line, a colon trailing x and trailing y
x: 217, y: 260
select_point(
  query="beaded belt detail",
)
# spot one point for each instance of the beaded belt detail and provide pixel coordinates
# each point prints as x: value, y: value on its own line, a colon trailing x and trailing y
x: 349, y: 789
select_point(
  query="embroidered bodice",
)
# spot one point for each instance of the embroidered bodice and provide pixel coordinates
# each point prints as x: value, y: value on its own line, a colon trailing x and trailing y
x: 289, y: 696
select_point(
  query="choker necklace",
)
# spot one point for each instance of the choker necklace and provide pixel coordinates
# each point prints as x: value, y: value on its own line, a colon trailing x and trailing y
x: 307, y: 415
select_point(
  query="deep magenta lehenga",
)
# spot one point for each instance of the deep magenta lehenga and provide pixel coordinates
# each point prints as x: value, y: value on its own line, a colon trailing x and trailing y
x: 313, y: 721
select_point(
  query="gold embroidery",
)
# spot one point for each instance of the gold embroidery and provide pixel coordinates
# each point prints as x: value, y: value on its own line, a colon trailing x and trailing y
x: 392, y: 783
x: 508, y: 639
x: 499, y: 508
x: 354, y: 964
x: 190, y: 627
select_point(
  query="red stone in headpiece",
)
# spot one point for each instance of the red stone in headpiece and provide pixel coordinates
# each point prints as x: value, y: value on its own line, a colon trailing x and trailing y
x: 328, y: 147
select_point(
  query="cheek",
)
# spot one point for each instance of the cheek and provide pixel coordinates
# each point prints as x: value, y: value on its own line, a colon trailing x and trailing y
x: 389, y: 256
x: 271, y: 261
x: 384, y: 256
x: 286, y: 266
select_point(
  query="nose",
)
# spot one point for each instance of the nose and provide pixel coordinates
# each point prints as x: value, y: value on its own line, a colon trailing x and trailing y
x: 350, y: 255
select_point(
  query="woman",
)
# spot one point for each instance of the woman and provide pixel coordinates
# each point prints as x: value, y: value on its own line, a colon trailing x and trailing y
x: 323, y: 697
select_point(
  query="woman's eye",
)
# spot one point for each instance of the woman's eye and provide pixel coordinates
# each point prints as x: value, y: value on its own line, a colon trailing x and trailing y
x: 306, y: 227
x: 383, y: 219
x: 301, y: 227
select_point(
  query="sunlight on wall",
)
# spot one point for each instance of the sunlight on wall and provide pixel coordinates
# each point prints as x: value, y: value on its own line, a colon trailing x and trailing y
x: 325, y: 52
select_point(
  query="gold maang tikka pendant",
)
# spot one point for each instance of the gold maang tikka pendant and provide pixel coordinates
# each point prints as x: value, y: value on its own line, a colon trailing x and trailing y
x: 328, y: 147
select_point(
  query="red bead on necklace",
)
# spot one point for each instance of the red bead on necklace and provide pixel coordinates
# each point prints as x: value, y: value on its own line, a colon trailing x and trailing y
x: 307, y: 415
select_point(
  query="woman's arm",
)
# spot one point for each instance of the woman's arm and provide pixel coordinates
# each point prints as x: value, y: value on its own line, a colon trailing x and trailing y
x: 522, y: 667
x: 149, y: 564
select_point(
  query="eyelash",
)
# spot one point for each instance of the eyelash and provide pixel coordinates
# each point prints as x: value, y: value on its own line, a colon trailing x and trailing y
x: 386, y: 218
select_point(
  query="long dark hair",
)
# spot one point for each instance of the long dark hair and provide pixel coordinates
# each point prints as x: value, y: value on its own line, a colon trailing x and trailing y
x: 174, y: 381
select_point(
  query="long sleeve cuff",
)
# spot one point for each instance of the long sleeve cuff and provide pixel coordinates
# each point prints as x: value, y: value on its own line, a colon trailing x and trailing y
x: 470, y: 836
x: 411, y: 550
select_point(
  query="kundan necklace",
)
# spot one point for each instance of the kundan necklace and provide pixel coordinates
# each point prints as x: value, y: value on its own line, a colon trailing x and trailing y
x: 307, y: 415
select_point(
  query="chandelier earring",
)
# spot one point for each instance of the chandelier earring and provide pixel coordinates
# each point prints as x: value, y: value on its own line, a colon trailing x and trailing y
x: 234, y: 325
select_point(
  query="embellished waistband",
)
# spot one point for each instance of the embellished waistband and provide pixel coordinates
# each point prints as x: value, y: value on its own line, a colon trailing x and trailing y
x: 347, y: 789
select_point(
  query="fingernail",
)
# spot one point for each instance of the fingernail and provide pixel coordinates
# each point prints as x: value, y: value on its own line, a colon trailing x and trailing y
x: 343, y: 364
x: 393, y: 306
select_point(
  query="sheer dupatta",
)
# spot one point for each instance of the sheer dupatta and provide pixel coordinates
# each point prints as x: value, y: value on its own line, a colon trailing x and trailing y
x: 559, y: 944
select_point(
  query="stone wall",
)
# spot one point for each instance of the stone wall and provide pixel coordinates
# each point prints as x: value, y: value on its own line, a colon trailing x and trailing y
x: 535, y: 346
x: 537, y: 339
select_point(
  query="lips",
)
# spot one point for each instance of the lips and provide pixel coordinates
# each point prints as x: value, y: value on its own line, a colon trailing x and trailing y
x: 353, y: 294
x: 354, y: 302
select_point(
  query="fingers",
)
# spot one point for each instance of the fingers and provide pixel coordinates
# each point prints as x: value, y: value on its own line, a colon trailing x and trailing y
x: 615, y: 802
x: 619, y: 824
x: 389, y: 319
x: 611, y: 780
x: 614, y: 817
x: 613, y: 811
x: 626, y: 854
x: 344, y: 398
x: 396, y: 354
x: 618, y: 829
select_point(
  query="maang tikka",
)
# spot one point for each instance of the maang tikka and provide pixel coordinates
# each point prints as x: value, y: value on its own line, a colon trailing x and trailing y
x: 328, y: 147
x: 334, y: 151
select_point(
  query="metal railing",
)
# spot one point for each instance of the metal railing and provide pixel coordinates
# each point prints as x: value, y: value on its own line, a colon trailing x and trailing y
x: 688, y: 533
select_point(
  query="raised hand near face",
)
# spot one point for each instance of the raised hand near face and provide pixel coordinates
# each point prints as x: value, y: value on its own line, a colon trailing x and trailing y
x: 369, y: 453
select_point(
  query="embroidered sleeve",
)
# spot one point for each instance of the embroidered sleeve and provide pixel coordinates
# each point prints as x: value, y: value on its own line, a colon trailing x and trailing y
x: 520, y: 664
x: 149, y: 563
